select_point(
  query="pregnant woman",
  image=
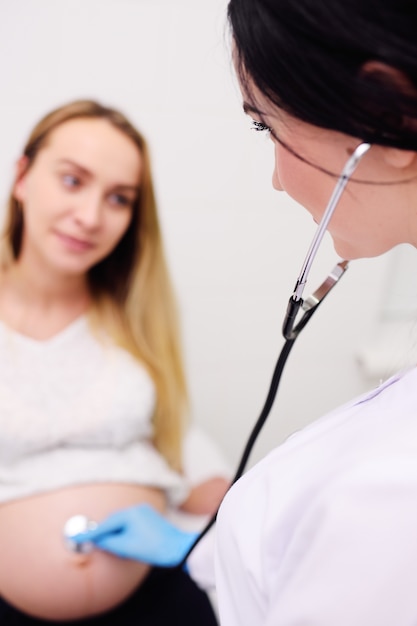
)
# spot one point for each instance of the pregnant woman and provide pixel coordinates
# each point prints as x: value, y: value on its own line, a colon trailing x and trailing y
x: 92, y: 391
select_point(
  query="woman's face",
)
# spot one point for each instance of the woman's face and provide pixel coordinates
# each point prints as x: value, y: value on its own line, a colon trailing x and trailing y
x: 78, y: 195
x: 367, y: 220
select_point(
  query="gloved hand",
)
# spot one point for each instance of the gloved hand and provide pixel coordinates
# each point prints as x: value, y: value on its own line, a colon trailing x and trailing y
x: 142, y: 534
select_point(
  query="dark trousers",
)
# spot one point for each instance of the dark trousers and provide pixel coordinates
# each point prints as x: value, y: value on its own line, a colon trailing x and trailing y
x: 168, y: 597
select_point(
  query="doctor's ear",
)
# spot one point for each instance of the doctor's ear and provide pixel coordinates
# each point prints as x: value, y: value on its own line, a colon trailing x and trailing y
x: 19, y: 186
x: 399, y: 159
x: 383, y: 73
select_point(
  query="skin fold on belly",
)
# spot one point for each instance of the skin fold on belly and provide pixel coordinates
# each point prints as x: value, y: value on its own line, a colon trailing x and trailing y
x: 40, y: 576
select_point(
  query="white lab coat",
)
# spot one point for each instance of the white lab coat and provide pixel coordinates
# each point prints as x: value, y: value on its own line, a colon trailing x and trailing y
x: 323, y: 531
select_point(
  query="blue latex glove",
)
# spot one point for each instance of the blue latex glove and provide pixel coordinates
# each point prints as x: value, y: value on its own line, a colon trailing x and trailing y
x: 142, y: 534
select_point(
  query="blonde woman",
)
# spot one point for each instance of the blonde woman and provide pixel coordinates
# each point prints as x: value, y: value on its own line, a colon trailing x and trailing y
x: 92, y: 390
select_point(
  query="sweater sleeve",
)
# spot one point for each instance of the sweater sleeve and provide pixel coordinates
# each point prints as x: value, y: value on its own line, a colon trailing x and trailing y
x: 203, y: 457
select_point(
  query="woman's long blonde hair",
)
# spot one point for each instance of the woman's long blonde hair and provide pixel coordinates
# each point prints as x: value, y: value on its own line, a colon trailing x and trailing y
x: 131, y: 290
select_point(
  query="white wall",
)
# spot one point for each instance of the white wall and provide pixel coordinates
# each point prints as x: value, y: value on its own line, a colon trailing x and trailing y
x: 234, y: 245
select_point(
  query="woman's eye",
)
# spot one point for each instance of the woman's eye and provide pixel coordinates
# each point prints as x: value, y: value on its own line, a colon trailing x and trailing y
x: 119, y: 199
x: 71, y: 181
x: 260, y: 127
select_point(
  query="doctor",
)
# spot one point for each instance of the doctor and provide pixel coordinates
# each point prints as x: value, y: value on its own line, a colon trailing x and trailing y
x: 323, y: 532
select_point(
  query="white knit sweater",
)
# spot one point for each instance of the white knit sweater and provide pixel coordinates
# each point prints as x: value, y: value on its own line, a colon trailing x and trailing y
x: 76, y: 410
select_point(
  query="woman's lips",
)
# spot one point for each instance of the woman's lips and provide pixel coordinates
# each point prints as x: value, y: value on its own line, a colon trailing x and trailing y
x: 73, y: 243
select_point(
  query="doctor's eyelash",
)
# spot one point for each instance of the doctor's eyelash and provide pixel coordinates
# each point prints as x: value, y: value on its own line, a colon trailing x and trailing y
x: 260, y: 127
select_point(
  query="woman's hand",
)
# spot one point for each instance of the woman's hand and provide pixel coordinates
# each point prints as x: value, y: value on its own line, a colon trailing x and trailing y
x: 142, y: 534
x: 206, y: 497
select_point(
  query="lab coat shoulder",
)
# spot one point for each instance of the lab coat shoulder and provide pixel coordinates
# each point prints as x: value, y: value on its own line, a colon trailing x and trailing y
x: 323, y: 530
x: 352, y: 558
x: 349, y: 557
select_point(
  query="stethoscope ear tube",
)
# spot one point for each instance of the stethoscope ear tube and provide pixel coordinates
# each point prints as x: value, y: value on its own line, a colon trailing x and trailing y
x: 310, y: 305
x: 349, y: 168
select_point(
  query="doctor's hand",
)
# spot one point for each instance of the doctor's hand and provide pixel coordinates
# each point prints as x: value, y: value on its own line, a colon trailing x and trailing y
x: 142, y: 534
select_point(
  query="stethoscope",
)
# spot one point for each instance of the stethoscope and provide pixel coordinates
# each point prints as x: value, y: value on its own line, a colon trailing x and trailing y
x: 291, y: 329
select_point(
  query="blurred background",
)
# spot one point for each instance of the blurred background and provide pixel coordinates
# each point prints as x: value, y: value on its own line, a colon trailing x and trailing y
x: 234, y: 246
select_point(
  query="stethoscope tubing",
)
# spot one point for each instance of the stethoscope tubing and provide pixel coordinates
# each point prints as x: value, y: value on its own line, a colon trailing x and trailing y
x: 315, y: 300
x: 290, y: 328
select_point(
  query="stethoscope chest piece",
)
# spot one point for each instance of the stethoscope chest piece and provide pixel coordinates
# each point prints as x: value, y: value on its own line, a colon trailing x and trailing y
x: 74, y: 526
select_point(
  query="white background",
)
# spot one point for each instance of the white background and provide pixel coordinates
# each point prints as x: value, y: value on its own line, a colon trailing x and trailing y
x: 234, y: 245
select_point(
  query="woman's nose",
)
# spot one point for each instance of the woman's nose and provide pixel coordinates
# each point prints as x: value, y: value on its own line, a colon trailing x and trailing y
x: 89, y: 211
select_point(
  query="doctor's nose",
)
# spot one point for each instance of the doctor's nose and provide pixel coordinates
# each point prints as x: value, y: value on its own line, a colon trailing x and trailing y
x: 276, y: 183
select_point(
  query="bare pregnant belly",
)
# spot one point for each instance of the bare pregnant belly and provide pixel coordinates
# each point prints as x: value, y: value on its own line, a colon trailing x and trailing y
x: 40, y: 576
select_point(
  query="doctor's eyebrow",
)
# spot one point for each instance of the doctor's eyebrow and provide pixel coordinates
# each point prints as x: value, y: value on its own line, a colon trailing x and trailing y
x: 249, y: 108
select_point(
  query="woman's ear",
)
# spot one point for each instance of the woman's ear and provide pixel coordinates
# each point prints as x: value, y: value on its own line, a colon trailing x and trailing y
x: 19, y: 187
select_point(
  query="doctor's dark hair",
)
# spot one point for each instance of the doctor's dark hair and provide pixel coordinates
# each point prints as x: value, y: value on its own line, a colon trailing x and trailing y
x: 344, y: 65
